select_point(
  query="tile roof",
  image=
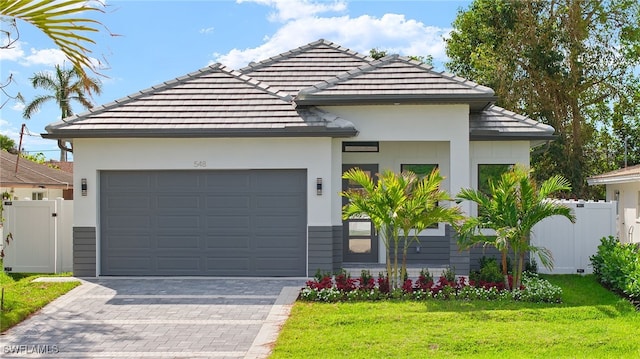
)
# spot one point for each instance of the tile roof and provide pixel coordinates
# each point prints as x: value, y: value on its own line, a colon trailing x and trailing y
x: 306, y: 65
x: 276, y: 97
x: 31, y: 174
x: 623, y: 175
x: 214, y: 101
x: 495, y: 122
x: 395, y: 79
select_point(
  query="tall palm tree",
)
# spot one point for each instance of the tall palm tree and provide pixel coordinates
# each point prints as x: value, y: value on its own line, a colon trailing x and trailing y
x: 397, y: 204
x: 64, y: 85
x: 514, y: 205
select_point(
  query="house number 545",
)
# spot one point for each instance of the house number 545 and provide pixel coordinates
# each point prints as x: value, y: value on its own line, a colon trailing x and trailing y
x: 200, y: 164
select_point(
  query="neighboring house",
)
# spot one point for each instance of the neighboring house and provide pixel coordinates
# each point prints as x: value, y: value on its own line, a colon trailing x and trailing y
x: 225, y: 172
x: 31, y: 180
x: 623, y: 186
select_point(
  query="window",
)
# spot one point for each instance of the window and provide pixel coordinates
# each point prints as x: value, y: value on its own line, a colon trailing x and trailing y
x: 37, y: 196
x: 421, y: 170
x: 490, y: 172
x: 638, y: 207
x: 361, y: 146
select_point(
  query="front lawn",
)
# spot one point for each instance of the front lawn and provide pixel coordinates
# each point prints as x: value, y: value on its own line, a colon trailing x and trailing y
x: 590, y: 323
x: 22, y: 297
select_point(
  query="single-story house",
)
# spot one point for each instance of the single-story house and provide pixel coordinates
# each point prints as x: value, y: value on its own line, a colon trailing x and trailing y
x: 623, y: 186
x: 238, y: 172
x: 22, y: 179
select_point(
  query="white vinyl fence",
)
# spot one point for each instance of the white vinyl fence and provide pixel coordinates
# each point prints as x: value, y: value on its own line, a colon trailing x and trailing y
x: 573, y: 244
x: 40, y: 236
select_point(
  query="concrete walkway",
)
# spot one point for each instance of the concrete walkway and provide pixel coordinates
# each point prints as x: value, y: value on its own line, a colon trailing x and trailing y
x: 158, y: 318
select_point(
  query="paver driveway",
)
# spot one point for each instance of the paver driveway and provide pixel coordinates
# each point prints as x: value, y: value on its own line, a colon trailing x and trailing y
x: 157, y: 318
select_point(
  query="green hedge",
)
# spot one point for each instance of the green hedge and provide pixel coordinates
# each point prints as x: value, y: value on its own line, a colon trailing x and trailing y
x: 617, y: 266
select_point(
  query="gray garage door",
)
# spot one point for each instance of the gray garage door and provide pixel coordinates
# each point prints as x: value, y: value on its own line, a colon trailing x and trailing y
x: 223, y: 223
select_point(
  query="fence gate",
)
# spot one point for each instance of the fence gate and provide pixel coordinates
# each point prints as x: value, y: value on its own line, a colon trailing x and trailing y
x: 573, y: 244
x: 35, y: 236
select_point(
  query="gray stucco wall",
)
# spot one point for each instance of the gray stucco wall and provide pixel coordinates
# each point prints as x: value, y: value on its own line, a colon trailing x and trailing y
x: 84, y: 251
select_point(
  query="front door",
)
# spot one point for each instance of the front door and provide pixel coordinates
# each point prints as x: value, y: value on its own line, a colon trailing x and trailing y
x: 360, y: 240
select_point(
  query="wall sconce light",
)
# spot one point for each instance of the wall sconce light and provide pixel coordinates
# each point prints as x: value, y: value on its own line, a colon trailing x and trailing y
x: 319, y: 186
x: 83, y: 186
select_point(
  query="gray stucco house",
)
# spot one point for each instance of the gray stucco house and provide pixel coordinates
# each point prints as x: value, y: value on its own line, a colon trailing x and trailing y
x: 238, y: 172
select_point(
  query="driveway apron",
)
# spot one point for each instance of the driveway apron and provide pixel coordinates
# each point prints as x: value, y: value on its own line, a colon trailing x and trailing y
x: 157, y: 318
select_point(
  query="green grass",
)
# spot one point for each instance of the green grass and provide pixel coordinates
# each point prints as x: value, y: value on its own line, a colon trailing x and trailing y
x: 591, y: 323
x: 22, y: 297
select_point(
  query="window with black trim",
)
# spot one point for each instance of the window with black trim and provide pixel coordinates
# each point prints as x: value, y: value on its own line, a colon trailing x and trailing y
x: 370, y: 146
x: 490, y: 172
x: 421, y: 170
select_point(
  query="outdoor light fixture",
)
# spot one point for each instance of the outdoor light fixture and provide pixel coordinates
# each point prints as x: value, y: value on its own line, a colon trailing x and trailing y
x: 83, y: 186
x: 319, y: 186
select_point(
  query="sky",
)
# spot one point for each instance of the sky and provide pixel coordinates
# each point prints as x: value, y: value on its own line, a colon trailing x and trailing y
x: 145, y: 43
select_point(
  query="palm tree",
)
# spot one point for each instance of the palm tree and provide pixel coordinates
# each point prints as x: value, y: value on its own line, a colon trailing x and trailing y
x: 64, y: 86
x: 59, y: 21
x: 397, y: 204
x: 514, y: 205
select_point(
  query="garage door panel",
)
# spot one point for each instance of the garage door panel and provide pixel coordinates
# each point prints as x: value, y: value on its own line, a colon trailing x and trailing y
x: 178, y: 242
x: 172, y: 202
x: 127, y: 264
x: 178, y: 263
x: 221, y: 264
x: 230, y: 181
x: 128, y: 241
x: 203, y: 223
x: 229, y: 202
x: 125, y: 202
x: 170, y: 181
x: 130, y: 182
x: 129, y: 221
x: 179, y: 221
x: 229, y: 243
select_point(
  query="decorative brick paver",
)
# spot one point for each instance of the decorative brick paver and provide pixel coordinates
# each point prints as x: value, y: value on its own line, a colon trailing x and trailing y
x: 157, y: 318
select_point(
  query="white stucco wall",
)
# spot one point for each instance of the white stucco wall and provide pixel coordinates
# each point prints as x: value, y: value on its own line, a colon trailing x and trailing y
x: 27, y: 193
x: 94, y: 155
x: 628, y: 209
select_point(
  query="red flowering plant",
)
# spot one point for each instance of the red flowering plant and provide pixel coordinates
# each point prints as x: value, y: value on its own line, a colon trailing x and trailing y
x: 424, y: 281
x: 366, y: 281
x: 383, y: 283
x: 344, y: 282
x: 407, y: 286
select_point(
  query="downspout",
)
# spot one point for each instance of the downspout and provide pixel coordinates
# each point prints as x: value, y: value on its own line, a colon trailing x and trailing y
x: 63, y: 147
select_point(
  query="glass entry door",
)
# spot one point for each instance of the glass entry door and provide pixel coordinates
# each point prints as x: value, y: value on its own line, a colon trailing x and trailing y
x: 360, y: 240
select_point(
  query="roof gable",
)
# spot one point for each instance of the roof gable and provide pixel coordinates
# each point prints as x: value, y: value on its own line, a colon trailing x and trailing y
x: 214, y: 101
x: 306, y: 65
x: 395, y: 79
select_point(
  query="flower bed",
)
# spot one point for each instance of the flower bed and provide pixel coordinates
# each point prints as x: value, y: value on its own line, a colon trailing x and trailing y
x: 341, y: 287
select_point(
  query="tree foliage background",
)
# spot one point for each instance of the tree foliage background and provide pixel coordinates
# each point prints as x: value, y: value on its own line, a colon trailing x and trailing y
x: 573, y: 64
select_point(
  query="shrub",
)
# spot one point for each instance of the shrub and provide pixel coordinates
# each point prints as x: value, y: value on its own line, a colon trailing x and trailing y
x: 617, y: 266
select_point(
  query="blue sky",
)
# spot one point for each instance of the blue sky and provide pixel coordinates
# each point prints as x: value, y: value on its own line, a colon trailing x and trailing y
x: 158, y: 41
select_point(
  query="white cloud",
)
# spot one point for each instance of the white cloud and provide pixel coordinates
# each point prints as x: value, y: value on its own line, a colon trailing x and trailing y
x: 207, y: 30
x: 295, y: 9
x: 13, y: 53
x: 391, y: 32
x: 18, y: 106
x: 47, y: 57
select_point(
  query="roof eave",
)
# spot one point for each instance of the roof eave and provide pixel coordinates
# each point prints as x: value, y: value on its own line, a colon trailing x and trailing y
x: 204, y: 133
x: 476, y: 102
x: 501, y: 136
x: 613, y: 180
